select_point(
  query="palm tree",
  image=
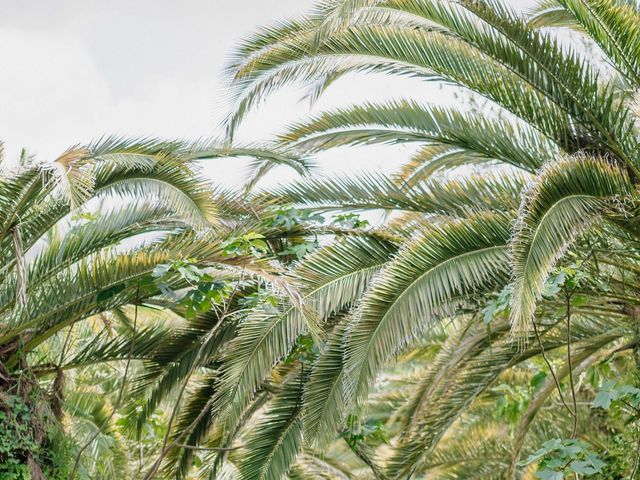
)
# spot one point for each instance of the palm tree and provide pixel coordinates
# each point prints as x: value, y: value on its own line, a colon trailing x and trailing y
x: 80, y: 240
x: 438, y: 255
x: 550, y: 226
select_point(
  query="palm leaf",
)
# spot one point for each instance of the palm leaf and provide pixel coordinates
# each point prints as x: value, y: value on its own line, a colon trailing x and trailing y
x: 406, y: 121
x: 265, y: 337
x: 372, y: 192
x: 568, y: 197
x: 276, y: 439
x: 325, y: 404
x: 615, y: 27
x: 263, y: 158
x: 423, y: 283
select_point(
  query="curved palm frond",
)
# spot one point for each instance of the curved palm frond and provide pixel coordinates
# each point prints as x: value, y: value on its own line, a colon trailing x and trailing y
x: 511, y: 142
x: 425, y: 281
x: 265, y: 337
x: 567, y: 198
x: 275, y: 441
x: 548, y: 101
x: 614, y: 27
x: 264, y: 158
x: 377, y: 192
x: 549, y: 13
x: 325, y: 403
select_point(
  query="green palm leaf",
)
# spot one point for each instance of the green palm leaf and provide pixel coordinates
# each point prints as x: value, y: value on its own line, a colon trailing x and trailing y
x: 275, y: 441
x: 325, y: 405
x: 424, y: 282
x: 615, y: 27
x: 265, y: 337
x: 568, y: 197
x: 405, y: 121
x: 372, y: 192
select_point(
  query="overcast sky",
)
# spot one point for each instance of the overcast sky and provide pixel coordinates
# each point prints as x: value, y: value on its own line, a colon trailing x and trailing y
x: 74, y: 70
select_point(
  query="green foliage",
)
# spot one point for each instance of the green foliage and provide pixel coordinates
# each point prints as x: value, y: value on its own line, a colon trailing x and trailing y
x: 204, y: 292
x: 16, y: 438
x: 279, y: 345
x: 300, y: 250
x: 261, y: 299
x: 569, y: 262
x: 350, y: 221
x: 512, y: 401
x: 304, y: 351
x: 618, y: 461
x: 251, y: 243
x: 370, y: 431
x: 558, y: 458
x: 24, y: 436
x: 497, y: 306
x: 290, y: 217
x: 615, y: 395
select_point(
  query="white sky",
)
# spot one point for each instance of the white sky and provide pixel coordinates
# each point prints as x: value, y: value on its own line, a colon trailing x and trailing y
x: 74, y: 70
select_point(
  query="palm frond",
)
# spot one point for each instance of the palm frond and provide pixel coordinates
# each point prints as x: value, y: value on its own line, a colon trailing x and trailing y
x: 372, y: 192
x: 265, y: 337
x: 325, y: 405
x: 276, y: 439
x: 549, y: 13
x: 424, y: 282
x: 180, y: 460
x: 511, y: 142
x: 567, y: 198
x: 393, y: 49
x: 436, y: 158
x: 615, y: 27
x: 169, y: 364
x: 263, y: 158
x: 466, y: 368
x: 104, y: 349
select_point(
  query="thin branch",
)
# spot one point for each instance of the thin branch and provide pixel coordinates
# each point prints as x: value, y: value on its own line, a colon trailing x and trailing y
x: 574, y: 430
x: 553, y: 374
